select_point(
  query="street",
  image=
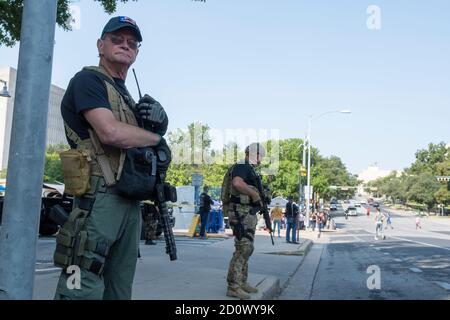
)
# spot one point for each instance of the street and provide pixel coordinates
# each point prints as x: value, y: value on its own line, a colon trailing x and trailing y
x: 408, y: 264
x: 412, y: 264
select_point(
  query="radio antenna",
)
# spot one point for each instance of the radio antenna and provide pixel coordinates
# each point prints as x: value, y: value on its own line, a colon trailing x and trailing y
x: 137, y: 83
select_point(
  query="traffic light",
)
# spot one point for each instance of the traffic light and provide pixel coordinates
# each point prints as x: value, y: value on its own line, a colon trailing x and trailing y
x: 302, y: 171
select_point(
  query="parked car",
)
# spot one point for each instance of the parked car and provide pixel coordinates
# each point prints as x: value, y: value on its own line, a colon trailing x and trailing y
x: 351, y: 211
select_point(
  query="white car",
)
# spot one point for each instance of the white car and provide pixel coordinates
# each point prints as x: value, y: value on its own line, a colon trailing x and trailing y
x: 351, y: 211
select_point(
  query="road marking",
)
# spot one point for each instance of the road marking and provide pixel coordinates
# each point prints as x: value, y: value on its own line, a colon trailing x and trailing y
x: 423, y: 243
x: 416, y: 270
x: 47, y: 270
x: 444, y: 285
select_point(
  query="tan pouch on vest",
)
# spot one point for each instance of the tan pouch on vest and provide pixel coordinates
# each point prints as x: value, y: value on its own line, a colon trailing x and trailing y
x: 76, y: 171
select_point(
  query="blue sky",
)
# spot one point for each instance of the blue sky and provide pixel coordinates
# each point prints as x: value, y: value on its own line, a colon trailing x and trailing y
x: 269, y: 64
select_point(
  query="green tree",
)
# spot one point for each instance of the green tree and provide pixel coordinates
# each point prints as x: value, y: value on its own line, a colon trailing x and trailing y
x: 422, y: 188
x: 11, y: 17
x: 429, y: 159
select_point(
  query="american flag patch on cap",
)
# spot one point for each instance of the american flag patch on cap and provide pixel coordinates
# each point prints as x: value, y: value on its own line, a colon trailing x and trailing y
x: 127, y: 20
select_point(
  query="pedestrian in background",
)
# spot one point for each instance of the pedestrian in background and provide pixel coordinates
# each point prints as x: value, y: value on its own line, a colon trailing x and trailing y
x: 320, y: 218
x: 301, y: 221
x: 388, y: 220
x: 418, y: 223
x: 379, y: 220
x: 291, y: 217
x: 205, y: 208
x: 276, y: 214
x: 150, y: 216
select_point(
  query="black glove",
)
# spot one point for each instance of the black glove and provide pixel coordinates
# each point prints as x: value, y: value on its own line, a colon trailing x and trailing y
x: 152, y: 114
x: 164, y: 155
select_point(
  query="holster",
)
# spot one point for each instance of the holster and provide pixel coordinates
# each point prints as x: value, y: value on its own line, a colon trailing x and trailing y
x: 72, y: 241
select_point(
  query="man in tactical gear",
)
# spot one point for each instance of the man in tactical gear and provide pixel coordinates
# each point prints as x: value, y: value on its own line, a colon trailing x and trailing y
x: 244, y: 199
x: 101, y: 122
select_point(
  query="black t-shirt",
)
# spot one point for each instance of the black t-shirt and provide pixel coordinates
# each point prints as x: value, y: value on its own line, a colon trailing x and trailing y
x: 246, y: 172
x: 205, y: 202
x: 86, y: 90
x: 291, y: 210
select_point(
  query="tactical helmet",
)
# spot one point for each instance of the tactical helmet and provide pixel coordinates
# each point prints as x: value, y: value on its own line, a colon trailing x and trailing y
x: 255, y: 148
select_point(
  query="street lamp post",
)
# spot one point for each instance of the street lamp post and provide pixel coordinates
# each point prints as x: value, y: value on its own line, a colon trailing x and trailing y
x: 4, y: 92
x: 308, y: 196
x: 302, y: 166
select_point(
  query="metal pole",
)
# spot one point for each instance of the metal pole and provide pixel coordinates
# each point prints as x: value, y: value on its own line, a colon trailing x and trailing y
x: 18, y: 238
x: 300, y: 186
x: 304, y: 166
x: 309, y: 171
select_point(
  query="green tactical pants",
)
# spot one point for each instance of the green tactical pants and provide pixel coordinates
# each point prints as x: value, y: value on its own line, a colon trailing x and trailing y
x: 238, y: 268
x: 116, y: 220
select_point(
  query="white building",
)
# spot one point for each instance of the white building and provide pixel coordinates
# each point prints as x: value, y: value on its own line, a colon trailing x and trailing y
x: 370, y: 174
x: 373, y: 173
x: 55, y: 125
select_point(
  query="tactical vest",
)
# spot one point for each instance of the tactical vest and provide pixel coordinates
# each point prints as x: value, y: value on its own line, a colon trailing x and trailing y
x: 106, y: 161
x: 230, y: 195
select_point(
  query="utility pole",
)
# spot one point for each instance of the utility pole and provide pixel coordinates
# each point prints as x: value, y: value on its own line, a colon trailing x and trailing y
x: 22, y: 206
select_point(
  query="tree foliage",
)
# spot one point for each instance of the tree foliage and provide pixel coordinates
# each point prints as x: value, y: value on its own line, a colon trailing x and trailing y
x: 418, y: 183
x: 11, y: 17
x: 52, y: 169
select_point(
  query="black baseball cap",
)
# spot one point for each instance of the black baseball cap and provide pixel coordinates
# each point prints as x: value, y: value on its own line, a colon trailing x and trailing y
x: 120, y: 22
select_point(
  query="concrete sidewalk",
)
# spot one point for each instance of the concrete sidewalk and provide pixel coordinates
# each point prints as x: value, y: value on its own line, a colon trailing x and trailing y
x: 201, y: 269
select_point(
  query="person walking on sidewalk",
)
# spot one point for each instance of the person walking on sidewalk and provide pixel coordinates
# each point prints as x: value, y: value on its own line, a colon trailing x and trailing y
x: 379, y: 220
x: 320, y: 218
x: 242, y: 200
x: 276, y: 214
x: 205, y: 208
x: 291, y: 216
x: 301, y: 221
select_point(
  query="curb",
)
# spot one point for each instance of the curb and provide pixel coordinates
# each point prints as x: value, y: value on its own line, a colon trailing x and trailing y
x: 301, y: 251
x: 268, y: 289
x: 209, y: 235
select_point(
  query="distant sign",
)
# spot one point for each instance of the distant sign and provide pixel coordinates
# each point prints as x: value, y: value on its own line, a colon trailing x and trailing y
x: 310, y: 192
x: 197, y: 180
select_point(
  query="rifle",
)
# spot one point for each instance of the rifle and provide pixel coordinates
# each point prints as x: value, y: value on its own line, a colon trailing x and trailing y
x: 264, y: 209
x: 165, y: 192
